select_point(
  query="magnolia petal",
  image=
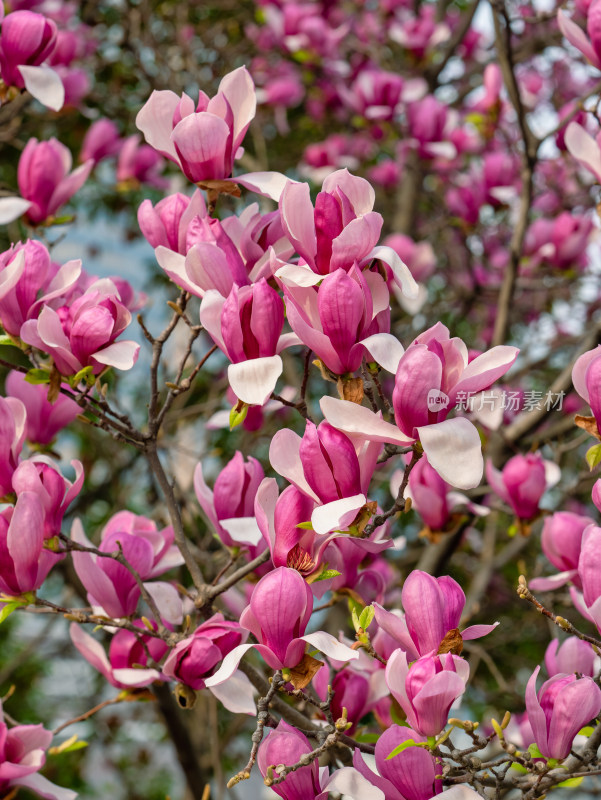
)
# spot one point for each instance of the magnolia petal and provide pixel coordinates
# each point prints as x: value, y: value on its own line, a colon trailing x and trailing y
x: 44, y: 788
x: 128, y: 676
x: 298, y: 275
x: 284, y: 457
x: 454, y: 450
x: 11, y: 208
x: 174, y: 265
x: 476, y: 631
x: 237, y: 695
x: 121, y: 355
x: 243, y: 529
x: 167, y: 600
x: 253, y: 381
x: 348, y: 781
x: 91, y: 650
x: 45, y: 85
x: 155, y: 120
x: 584, y: 148
x: 385, y: 349
x: 552, y: 582
x: 400, y: 270
x: 330, y: 646
x: 338, y: 514
x: 267, y: 184
x: 229, y: 665
x: 352, y: 418
x: 459, y: 793
x: 576, y: 36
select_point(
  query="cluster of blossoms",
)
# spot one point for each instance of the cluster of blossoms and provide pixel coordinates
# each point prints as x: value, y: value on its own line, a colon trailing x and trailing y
x: 314, y: 274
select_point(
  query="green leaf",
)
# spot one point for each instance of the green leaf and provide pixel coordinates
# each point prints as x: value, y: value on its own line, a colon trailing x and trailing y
x: 355, y: 618
x: 7, y: 340
x: 587, y: 731
x: 571, y: 782
x: 367, y: 738
x: 534, y: 751
x: 400, y: 747
x: 238, y: 415
x: 366, y: 617
x: 327, y: 573
x: 7, y: 610
x: 86, y: 374
x: 593, y: 456
x: 37, y: 376
x: 518, y: 767
x: 305, y: 526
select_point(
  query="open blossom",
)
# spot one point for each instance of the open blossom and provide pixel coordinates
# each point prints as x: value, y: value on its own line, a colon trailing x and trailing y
x: 22, y: 755
x: 331, y: 469
x: 44, y: 419
x: 39, y: 475
x: 430, y: 377
x: 340, y: 232
x: 126, y: 666
x: 427, y: 689
x: 586, y: 376
x: 83, y: 334
x: 45, y: 178
x: 410, y: 775
x: 27, y: 38
x: 229, y: 507
x: 24, y: 561
x: 335, y: 319
x: 286, y: 745
x: 35, y: 282
x: 278, y: 614
x: 204, y: 139
x: 110, y: 585
x: 433, y: 608
x: 563, y: 705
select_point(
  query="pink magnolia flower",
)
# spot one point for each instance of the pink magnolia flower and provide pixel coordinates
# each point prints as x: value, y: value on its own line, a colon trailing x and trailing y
x: 573, y: 655
x: 410, y: 775
x: 45, y: 179
x: 431, y: 496
x: 256, y: 236
x: 44, y: 420
x: 110, y: 585
x: 39, y: 282
x: 140, y: 164
x: 286, y: 745
x: 340, y: 232
x: 433, y: 608
x: 229, y: 507
x: 24, y: 561
x: 195, y: 658
x: 22, y: 755
x: 40, y: 476
x: 166, y: 224
x: 126, y: 666
x: 427, y: 689
x: 589, y: 46
x: 335, y: 319
x: 27, y: 40
x: 561, y: 242
x: 83, y: 334
x: 520, y: 484
x: 247, y: 327
x: 330, y: 468
x: 278, y: 614
x: 12, y: 436
x: 586, y: 377
x: 430, y: 123
x: 102, y: 140
x: 203, y: 140
x: 561, y: 541
x: 431, y: 376
x: 563, y: 705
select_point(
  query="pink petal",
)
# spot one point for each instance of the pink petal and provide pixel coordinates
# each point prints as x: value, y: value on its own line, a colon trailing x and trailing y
x: 576, y: 36
x: 155, y: 120
x: 44, y: 788
x: 338, y: 514
x: 237, y: 695
x: 352, y: 418
x: 385, y: 349
x: 243, y: 530
x: 253, y: 381
x: 350, y: 782
x: 229, y: 665
x: 400, y: 270
x: 121, y: 355
x: 330, y: 646
x: 284, y: 456
x: 553, y: 582
x: 359, y: 191
x: 584, y: 148
x: 267, y: 184
x: 12, y: 208
x: 45, y: 85
x: 454, y: 450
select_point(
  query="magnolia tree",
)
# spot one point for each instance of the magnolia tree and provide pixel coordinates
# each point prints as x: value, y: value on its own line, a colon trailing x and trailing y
x: 326, y: 474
